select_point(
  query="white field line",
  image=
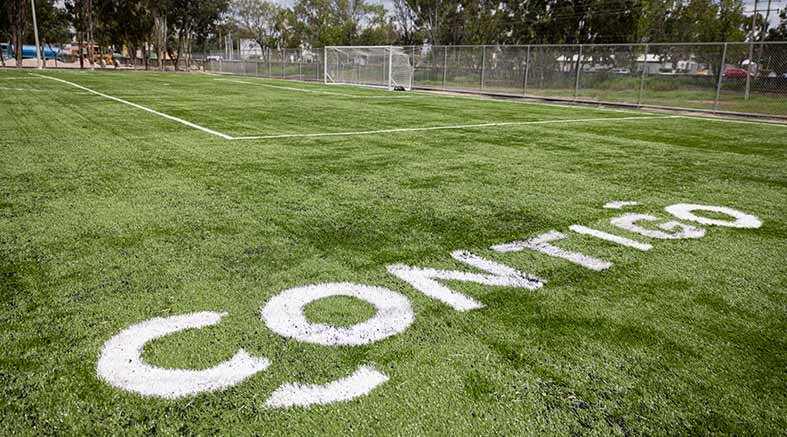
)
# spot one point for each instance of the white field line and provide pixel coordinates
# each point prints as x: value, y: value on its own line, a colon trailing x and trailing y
x: 36, y: 90
x: 144, y: 108
x: 452, y: 127
x: 18, y: 89
x: 304, y: 90
x: 733, y: 120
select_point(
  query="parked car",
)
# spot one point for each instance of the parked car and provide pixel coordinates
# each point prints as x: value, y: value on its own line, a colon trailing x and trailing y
x: 620, y: 71
x: 735, y: 72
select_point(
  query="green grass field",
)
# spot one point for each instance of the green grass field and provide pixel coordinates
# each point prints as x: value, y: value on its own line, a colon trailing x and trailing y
x: 112, y: 215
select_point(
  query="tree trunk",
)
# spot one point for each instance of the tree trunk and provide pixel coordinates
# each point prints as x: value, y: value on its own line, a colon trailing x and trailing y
x: 18, y: 47
x: 132, y: 54
x: 179, y: 50
x: 145, y: 54
x: 2, y: 58
x: 81, y: 51
x: 54, y: 55
x: 90, y: 42
x: 43, y: 53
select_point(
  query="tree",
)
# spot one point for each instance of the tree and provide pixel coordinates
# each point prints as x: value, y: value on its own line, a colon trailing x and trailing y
x: 125, y: 22
x: 316, y: 23
x: 180, y: 20
x: 5, y: 31
x: 258, y: 19
x: 79, y: 13
x: 377, y: 30
x: 53, y: 24
x: 405, y: 24
x: 320, y: 23
x: 18, y: 17
x: 432, y: 18
x: 779, y: 33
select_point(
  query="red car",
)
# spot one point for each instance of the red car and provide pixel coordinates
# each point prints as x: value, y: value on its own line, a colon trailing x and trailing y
x: 735, y: 72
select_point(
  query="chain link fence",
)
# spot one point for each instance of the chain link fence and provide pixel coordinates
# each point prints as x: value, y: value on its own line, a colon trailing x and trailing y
x: 748, y: 78
x: 288, y: 64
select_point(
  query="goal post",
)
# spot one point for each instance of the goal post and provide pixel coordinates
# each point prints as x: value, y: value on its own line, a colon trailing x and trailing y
x: 375, y: 66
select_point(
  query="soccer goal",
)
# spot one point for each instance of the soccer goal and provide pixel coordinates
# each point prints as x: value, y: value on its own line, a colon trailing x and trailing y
x: 377, y: 66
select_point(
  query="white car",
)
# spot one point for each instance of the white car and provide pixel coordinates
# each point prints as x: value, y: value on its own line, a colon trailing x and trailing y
x: 620, y: 71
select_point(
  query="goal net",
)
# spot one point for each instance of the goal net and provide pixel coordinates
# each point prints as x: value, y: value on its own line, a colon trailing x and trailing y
x: 377, y: 66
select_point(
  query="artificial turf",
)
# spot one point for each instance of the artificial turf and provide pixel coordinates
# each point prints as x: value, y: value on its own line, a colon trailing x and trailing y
x: 110, y: 215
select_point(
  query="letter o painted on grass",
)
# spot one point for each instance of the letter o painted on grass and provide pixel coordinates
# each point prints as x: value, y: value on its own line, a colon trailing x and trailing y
x: 685, y: 211
x: 284, y: 314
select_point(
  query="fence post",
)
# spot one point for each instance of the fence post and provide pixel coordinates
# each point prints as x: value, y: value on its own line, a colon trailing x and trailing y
x: 412, y: 73
x: 642, y: 76
x: 527, y: 70
x: 579, y: 68
x: 390, y: 67
x: 483, y: 65
x: 325, y: 65
x: 256, y: 67
x: 721, y: 75
x: 748, y: 70
x: 445, y: 65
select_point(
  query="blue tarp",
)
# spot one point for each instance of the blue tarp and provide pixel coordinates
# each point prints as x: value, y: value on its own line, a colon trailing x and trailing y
x: 29, y: 51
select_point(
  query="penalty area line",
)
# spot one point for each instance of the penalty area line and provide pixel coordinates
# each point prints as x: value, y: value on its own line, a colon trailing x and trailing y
x: 734, y: 120
x: 305, y: 90
x: 451, y: 127
x: 144, y: 108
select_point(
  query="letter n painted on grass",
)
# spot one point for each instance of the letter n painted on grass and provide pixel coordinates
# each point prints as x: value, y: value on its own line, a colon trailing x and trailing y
x: 425, y: 279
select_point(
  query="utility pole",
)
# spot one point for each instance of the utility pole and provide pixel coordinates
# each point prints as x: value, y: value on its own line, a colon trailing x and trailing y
x: 90, y: 48
x: 35, y: 32
x: 766, y: 22
x: 762, y: 34
x: 751, y: 53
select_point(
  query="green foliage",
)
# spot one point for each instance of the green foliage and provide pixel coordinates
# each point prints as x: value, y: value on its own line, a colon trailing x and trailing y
x: 320, y: 23
x: 779, y: 33
x: 588, y: 21
x: 261, y: 20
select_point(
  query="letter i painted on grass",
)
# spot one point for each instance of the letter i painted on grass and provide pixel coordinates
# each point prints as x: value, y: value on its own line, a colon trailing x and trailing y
x: 541, y: 243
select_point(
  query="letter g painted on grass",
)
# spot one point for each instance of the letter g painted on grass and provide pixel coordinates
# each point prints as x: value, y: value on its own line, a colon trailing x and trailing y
x: 121, y: 364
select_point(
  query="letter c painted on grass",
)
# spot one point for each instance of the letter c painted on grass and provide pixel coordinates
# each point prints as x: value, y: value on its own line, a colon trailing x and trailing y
x: 121, y: 364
